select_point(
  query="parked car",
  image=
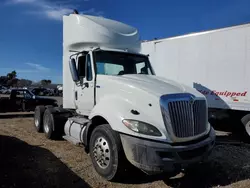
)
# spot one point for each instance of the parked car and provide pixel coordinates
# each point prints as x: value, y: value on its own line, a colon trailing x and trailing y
x: 3, y: 89
x: 40, y: 91
x: 23, y: 100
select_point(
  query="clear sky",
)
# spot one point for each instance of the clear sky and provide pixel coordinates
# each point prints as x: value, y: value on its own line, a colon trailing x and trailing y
x: 31, y: 30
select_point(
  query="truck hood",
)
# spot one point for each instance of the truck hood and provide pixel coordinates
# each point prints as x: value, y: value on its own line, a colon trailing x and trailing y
x: 155, y: 85
x: 118, y: 95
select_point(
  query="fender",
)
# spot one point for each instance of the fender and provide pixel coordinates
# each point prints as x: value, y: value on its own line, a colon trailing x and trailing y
x: 114, y: 109
x: 86, y: 136
x: 60, y: 115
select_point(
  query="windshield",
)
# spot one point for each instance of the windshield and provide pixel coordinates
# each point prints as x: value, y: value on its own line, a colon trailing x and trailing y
x: 119, y: 63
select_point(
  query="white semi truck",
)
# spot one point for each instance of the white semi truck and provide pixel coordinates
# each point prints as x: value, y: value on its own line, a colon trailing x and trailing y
x: 115, y: 106
x: 216, y: 63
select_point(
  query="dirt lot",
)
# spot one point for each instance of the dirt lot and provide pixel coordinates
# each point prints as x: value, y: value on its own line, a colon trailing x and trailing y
x: 27, y: 159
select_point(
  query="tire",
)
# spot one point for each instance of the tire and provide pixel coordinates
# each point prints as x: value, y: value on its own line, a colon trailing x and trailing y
x: 112, y: 168
x: 246, y: 123
x: 49, y: 124
x: 38, y: 118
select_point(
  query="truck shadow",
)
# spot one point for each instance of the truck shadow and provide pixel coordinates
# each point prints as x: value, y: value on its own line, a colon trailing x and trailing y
x: 24, y: 165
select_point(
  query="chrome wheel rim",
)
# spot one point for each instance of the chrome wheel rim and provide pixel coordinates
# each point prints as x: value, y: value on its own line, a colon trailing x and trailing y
x: 102, y: 152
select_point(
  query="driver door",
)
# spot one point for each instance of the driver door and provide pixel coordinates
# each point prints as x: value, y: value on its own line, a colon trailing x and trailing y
x: 29, y: 103
x: 84, y: 92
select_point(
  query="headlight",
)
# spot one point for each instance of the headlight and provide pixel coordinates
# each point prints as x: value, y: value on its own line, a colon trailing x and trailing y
x: 141, y: 127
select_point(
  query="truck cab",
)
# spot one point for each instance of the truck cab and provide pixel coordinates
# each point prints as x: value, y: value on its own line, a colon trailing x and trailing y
x: 116, y: 107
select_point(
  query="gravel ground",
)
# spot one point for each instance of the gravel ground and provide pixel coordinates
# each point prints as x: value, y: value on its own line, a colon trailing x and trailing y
x: 27, y: 159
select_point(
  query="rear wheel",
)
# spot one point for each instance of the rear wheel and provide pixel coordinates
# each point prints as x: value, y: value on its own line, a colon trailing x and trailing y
x: 106, y: 153
x: 49, y: 125
x: 38, y: 118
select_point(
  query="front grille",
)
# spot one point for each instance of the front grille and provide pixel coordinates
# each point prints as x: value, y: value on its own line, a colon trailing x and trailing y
x: 187, y: 117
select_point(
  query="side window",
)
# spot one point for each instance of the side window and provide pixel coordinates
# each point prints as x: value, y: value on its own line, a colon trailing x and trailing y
x: 27, y: 95
x: 20, y: 94
x: 141, y: 68
x: 89, y: 68
x: 113, y: 69
x: 81, y: 66
x: 100, y: 68
x: 109, y: 69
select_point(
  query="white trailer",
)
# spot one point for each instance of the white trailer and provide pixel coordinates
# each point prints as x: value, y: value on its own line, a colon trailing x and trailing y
x: 116, y: 107
x: 216, y: 63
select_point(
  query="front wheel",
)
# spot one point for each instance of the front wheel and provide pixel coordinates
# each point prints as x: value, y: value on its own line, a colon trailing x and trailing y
x: 106, y: 153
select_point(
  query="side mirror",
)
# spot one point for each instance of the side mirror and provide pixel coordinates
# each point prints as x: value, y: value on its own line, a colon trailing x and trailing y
x: 73, y: 70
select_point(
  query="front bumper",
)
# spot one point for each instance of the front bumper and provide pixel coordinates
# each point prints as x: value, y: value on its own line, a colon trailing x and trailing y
x: 156, y: 157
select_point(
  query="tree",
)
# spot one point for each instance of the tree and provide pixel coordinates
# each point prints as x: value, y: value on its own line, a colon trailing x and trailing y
x: 3, y: 80
x: 10, y: 79
x: 24, y: 83
x: 12, y: 82
x: 45, y: 82
x: 12, y: 75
